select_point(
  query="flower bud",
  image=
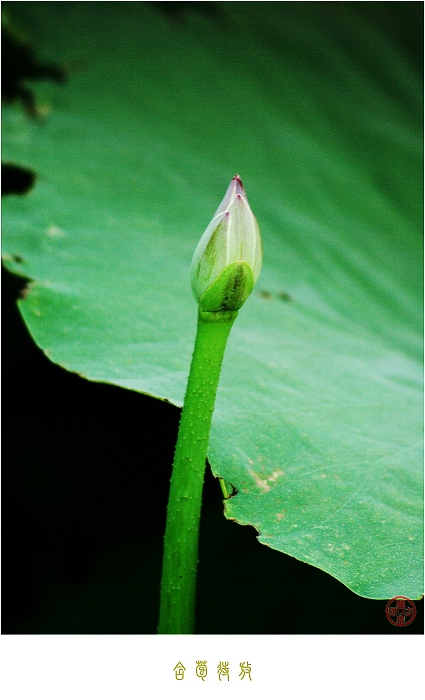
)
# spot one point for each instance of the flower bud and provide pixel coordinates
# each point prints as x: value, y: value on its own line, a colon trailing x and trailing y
x: 227, y: 260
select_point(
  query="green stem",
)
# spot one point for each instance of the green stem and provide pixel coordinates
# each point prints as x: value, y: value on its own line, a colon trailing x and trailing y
x: 178, y: 586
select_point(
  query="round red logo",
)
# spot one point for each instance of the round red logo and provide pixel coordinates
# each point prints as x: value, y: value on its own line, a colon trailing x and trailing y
x: 400, y: 611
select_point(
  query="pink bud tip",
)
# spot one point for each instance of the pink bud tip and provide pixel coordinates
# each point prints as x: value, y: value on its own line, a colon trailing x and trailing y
x: 239, y: 185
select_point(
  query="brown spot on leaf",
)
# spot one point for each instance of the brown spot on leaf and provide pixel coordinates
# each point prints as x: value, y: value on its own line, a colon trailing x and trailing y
x: 25, y: 290
x: 261, y: 483
x: 276, y: 474
x: 265, y: 295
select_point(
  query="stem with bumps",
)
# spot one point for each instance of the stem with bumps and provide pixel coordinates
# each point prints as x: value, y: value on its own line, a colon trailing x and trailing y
x: 178, y: 586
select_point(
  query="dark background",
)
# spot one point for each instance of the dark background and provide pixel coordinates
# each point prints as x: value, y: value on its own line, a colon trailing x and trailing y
x: 85, y: 478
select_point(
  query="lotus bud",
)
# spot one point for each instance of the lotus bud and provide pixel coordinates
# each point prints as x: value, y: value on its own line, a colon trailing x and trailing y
x: 227, y: 260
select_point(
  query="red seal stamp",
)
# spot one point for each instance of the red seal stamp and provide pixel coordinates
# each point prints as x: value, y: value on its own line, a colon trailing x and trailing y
x: 400, y: 611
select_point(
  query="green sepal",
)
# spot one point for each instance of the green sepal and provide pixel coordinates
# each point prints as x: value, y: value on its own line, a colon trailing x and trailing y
x: 230, y: 290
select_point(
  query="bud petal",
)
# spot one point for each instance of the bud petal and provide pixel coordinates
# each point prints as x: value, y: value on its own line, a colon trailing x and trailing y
x: 227, y: 261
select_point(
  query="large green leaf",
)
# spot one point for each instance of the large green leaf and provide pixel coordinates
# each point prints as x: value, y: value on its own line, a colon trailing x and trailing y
x: 318, y: 107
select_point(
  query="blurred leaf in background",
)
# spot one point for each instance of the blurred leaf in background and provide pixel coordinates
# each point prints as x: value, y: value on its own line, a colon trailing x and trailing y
x: 318, y: 106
